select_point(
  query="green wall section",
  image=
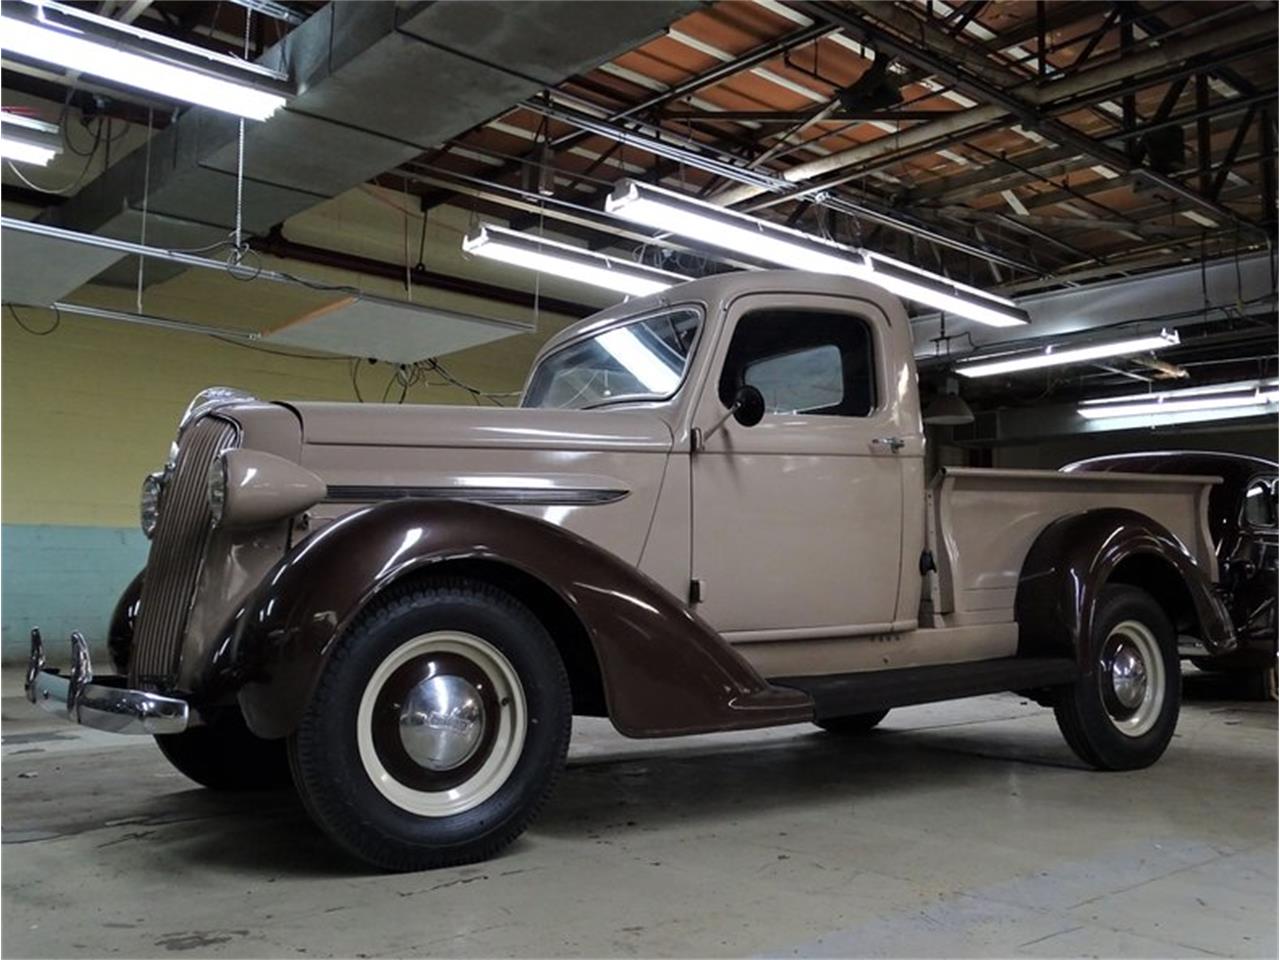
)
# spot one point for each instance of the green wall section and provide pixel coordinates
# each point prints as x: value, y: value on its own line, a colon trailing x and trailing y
x: 64, y: 578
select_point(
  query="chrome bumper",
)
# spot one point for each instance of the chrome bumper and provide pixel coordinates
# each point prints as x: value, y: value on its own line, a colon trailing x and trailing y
x: 102, y: 703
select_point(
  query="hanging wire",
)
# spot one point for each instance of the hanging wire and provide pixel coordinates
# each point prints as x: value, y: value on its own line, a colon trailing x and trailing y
x: 408, y: 270
x: 57, y: 321
x: 74, y: 185
x: 146, y: 198
x: 240, y: 245
x: 422, y: 244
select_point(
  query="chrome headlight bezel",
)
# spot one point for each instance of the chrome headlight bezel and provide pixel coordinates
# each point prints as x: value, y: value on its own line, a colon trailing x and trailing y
x: 149, y: 502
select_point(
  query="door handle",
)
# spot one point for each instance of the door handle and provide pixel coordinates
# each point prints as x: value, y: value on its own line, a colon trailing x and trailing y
x: 893, y: 443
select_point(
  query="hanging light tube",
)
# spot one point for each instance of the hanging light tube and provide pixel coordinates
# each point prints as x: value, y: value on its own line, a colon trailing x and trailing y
x: 20, y: 151
x: 670, y: 212
x: 717, y: 227
x: 1248, y: 398
x: 102, y: 48
x: 921, y: 286
x: 28, y: 140
x: 1053, y: 356
x: 572, y: 263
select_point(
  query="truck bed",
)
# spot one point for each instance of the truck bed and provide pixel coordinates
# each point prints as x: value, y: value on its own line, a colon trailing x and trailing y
x: 980, y: 523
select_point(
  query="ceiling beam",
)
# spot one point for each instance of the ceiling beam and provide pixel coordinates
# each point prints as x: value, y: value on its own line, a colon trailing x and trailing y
x: 1170, y: 297
x: 932, y: 49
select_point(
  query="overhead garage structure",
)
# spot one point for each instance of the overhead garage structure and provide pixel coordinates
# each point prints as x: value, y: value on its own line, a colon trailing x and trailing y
x: 400, y: 204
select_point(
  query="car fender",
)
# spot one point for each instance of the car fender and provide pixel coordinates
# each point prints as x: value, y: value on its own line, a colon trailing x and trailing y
x: 664, y: 670
x: 124, y: 621
x: 1077, y: 555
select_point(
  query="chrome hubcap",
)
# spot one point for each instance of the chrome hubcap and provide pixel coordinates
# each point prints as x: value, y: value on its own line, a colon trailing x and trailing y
x: 1128, y: 677
x: 1132, y: 678
x: 442, y: 722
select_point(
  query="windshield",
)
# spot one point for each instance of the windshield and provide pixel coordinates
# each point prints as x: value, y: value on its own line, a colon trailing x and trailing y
x: 642, y: 360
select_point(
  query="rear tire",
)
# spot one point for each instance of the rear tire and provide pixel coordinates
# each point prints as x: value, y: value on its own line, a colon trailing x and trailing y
x: 857, y: 725
x: 1122, y: 713
x: 1261, y: 684
x: 437, y: 729
x: 1253, y: 682
x: 224, y: 754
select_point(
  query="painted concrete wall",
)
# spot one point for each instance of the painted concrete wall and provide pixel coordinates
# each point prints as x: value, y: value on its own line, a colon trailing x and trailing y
x: 90, y: 408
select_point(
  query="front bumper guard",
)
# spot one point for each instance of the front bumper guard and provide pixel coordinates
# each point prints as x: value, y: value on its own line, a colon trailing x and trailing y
x: 103, y: 703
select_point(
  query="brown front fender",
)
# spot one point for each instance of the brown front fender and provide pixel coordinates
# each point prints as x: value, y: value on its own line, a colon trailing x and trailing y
x: 1077, y: 555
x: 664, y: 671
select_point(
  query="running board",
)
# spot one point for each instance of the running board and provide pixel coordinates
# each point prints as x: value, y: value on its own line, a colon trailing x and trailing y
x: 844, y: 694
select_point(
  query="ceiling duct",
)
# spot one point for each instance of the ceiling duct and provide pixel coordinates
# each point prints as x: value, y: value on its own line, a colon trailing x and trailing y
x: 378, y: 85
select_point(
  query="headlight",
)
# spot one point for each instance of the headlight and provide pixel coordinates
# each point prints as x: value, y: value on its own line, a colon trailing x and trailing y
x: 248, y: 488
x: 217, y: 488
x: 149, y: 510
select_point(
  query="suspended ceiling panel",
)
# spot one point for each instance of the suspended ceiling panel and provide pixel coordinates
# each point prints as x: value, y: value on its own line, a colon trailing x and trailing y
x: 390, y: 330
x: 41, y: 270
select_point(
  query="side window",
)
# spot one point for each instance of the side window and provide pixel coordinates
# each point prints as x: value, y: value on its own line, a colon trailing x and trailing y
x: 1260, y: 504
x: 803, y: 361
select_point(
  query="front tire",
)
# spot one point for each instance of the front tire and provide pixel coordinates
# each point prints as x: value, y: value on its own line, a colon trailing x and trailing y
x: 1122, y: 713
x: 224, y: 754
x: 437, y: 729
x: 858, y: 725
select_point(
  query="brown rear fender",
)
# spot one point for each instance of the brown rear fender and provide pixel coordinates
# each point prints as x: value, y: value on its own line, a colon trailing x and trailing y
x: 664, y: 671
x: 1077, y: 555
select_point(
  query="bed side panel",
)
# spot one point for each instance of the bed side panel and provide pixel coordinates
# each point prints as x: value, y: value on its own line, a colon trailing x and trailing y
x: 987, y: 520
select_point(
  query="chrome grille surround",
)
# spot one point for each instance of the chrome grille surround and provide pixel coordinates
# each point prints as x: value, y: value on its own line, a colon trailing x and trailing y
x: 177, y: 555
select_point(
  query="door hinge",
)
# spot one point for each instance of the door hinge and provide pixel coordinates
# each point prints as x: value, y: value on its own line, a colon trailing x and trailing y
x: 697, y: 591
x: 927, y: 564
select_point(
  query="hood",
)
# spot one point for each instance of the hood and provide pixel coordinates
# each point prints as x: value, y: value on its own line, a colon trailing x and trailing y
x: 505, y: 428
x: 594, y: 472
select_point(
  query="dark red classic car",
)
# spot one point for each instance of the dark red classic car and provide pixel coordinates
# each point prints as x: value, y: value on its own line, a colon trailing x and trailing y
x: 1242, y: 522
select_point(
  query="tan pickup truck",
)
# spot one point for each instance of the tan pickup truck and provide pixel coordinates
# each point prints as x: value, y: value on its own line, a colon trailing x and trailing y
x: 710, y: 512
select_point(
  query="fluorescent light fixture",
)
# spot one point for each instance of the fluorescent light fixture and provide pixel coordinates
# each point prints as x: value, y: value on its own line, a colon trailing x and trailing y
x: 730, y: 230
x: 921, y: 286
x: 572, y: 263
x: 641, y: 362
x: 28, y: 140
x: 1052, y: 356
x: 67, y: 45
x: 20, y: 122
x: 753, y: 237
x: 22, y: 152
x: 1248, y: 398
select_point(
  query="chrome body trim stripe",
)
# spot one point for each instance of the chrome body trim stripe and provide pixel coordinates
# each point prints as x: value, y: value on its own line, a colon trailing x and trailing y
x: 515, y: 496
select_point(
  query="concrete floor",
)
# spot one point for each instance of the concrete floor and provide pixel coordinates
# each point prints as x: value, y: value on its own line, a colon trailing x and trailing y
x: 961, y: 829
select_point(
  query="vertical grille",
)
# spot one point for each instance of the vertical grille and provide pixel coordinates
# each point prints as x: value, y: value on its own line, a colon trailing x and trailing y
x: 177, y: 554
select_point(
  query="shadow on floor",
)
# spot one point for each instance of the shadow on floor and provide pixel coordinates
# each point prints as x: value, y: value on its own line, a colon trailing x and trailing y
x: 271, y: 833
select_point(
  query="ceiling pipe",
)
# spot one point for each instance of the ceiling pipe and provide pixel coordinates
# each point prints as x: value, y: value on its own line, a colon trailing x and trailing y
x: 1026, y: 106
x: 693, y: 158
x: 276, y: 244
x: 1030, y: 92
x: 247, y: 271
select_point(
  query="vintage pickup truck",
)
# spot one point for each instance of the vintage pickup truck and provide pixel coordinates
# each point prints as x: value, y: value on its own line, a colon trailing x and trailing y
x: 710, y: 512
